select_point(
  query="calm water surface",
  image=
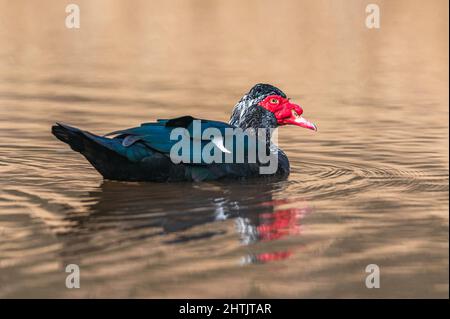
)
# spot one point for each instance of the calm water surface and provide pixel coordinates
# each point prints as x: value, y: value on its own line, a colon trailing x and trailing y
x: 370, y: 187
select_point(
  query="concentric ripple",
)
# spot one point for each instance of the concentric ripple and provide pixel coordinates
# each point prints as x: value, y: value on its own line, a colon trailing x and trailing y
x: 330, y: 178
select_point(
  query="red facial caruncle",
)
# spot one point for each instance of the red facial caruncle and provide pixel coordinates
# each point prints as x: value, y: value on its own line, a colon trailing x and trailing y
x: 286, y: 112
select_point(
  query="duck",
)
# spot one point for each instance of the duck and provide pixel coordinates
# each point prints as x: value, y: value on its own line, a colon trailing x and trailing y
x: 190, y: 149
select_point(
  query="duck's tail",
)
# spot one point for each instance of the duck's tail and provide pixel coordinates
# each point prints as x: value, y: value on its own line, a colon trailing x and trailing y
x: 72, y: 136
x: 99, y: 151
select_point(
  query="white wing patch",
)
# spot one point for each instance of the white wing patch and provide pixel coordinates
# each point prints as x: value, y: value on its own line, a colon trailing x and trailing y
x: 218, y: 141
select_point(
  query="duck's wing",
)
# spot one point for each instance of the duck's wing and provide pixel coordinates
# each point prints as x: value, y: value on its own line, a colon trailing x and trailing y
x: 160, y: 136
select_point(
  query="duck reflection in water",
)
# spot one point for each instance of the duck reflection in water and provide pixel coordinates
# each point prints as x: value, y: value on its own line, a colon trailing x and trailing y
x: 271, y: 226
x: 172, y: 211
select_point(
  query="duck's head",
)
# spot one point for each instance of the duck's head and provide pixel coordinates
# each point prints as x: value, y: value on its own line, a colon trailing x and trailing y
x: 266, y: 106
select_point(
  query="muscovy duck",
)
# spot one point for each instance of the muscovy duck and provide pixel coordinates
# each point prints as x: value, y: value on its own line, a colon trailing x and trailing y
x: 143, y: 153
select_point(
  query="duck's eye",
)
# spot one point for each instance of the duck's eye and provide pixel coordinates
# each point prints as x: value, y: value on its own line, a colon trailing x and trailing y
x: 274, y: 101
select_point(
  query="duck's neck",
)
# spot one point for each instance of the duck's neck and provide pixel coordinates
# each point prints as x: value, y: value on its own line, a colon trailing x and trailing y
x: 247, y: 114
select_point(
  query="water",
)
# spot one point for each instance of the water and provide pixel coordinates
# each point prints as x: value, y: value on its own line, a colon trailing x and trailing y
x: 370, y: 187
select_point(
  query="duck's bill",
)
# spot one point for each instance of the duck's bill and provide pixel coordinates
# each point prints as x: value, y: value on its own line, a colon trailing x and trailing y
x: 302, y: 122
x: 299, y: 120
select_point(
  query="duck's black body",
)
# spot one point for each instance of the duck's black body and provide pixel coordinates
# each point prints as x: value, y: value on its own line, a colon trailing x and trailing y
x: 142, y: 153
x: 141, y: 162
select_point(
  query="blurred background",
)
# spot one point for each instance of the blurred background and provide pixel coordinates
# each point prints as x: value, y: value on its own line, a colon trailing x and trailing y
x: 371, y: 186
